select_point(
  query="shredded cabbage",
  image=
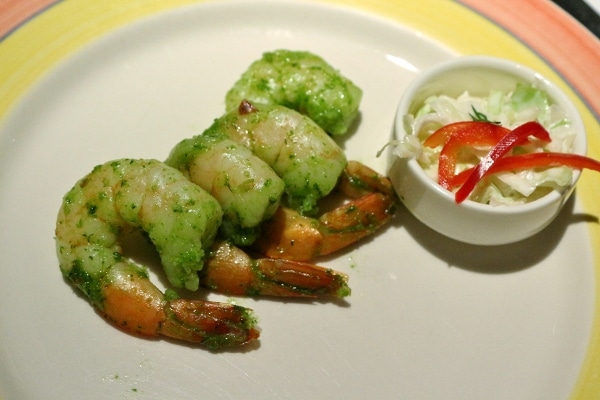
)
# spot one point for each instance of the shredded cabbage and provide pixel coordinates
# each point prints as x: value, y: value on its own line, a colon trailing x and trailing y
x: 525, y: 103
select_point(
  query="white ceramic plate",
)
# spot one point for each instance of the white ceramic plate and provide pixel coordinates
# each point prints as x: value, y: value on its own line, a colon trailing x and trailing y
x: 428, y: 318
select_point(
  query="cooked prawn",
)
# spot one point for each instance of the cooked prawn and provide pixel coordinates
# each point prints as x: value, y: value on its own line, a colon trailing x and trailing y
x: 247, y: 189
x: 302, y: 81
x: 180, y: 219
x: 298, y: 150
x: 292, y: 236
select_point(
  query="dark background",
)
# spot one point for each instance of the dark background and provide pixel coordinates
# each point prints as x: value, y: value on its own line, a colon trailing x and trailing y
x: 582, y: 12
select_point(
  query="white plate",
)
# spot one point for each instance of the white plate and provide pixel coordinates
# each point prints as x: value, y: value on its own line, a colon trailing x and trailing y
x: 428, y: 318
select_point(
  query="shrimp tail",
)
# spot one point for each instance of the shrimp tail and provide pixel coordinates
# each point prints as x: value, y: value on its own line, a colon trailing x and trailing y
x: 355, y: 220
x: 132, y: 303
x: 358, y: 180
x: 230, y: 270
x: 212, y: 324
x: 293, y: 236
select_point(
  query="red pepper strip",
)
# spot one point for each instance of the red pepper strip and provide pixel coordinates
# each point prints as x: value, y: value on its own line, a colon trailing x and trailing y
x: 460, y: 178
x: 549, y: 159
x: 534, y: 160
x: 512, y: 139
x: 458, y: 135
x: 442, y: 135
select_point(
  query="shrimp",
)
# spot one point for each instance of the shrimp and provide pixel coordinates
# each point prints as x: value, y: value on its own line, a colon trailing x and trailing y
x: 293, y: 236
x: 308, y: 160
x: 247, y: 189
x: 302, y: 81
x: 249, y: 192
x: 179, y: 218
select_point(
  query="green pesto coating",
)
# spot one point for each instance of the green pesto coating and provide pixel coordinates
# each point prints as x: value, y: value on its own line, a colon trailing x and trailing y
x: 179, y: 217
x: 302, y: 81
x: 307, y: 159
x: 248, y: 190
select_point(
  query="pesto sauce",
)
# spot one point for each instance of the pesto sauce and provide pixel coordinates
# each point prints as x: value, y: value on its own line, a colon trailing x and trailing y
x: 88, y: 284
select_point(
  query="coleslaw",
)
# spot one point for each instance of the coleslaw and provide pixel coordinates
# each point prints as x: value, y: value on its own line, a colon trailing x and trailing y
x: 525, y: 103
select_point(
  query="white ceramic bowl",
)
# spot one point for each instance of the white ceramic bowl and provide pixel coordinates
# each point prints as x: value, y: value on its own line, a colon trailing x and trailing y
x: 469, y: 221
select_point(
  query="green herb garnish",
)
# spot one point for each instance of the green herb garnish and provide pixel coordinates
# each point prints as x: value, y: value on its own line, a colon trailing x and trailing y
x: 479, y: 116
